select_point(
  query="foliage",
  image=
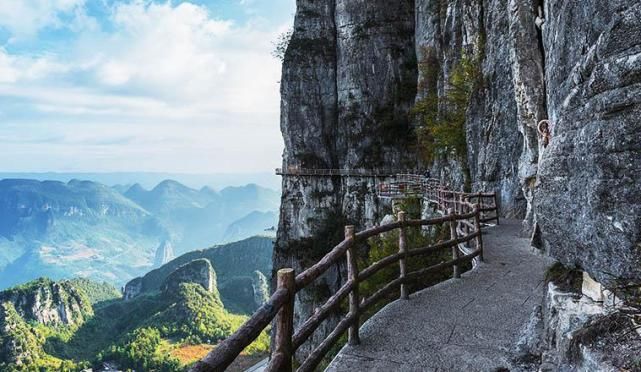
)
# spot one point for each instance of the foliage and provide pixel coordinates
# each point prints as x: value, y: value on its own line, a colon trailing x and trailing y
x: 441, y: 129
x: 198, y: 316
x: 21, y: 346
x: 281, y: 44
x: 62, y: 293
x: 96, y: 292
x: 143, y: 351
x: 139, y: 334
x: 387, y: 244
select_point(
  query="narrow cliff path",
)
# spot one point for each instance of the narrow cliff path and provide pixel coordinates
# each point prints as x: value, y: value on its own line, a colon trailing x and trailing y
x: 466, y: 324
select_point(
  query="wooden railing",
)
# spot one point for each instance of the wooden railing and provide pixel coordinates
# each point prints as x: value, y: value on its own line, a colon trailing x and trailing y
x: 460, y: 214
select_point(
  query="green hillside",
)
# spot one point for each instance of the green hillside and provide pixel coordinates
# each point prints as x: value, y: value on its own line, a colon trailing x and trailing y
x: 147, y: 333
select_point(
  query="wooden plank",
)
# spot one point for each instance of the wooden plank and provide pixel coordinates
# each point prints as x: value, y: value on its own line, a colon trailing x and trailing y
x: 456, y: 272
x: 444, y: 265
x: 379, y: 294
x: 477, y: 226
x: 377, y: 266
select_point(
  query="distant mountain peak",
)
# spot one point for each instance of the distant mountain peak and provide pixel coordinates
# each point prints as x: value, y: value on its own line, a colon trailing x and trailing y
x: 136, y: 188
x: 171, y: 185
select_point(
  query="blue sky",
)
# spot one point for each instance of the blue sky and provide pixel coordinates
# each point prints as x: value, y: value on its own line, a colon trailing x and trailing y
x: 133, y: 85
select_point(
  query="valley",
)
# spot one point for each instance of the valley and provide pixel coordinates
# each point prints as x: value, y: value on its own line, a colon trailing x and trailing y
x: 178, y: 314
x: 113, y: 234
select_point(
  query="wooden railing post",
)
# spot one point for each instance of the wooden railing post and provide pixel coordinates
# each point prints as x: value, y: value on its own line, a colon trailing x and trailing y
x: 285, y: 321
x: 456, y: 272
x: 402, y: 249
x: 477, y: 225
x: 354, y: 298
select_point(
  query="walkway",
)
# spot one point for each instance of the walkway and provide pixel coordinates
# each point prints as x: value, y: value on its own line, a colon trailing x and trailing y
x: 468, y: 324
x: 297, y: 171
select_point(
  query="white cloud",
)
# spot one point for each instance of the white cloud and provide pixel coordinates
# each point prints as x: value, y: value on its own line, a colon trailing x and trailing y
x: 26, y: 68
x: 8, y: 72
x: 177, y: 54
x: 24, y: 18
x: 191, y: 91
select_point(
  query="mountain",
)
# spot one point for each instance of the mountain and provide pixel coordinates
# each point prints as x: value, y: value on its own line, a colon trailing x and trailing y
x: 250, y: 224
x: 198, y: 218
x: 164, y: 253
x: 240, y: 268
x: 86, y: 229
x: 151, y: 179
x: 80, y: 228
x: 77, y: 324
x: 50, y: 303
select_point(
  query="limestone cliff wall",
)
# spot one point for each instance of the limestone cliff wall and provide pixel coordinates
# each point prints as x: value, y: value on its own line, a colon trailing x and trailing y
x: 588, y: 197
x: 349, y: 81
x: 351, y: 75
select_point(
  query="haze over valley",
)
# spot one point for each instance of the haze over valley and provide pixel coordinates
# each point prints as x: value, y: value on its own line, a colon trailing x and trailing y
x: 88, y: 229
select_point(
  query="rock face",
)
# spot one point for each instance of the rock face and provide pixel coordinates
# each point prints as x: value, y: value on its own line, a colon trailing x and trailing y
x: 351, y: 74
x: 164, y: 253
x: 198, y: 272
x: 588, y: 197
x: 245, y: 294
x: 338, y: 112
x: 260, y: 287
x: 133, y: 288
x: 571, y: 332
x: 49, y: 303
x: 229, y: 260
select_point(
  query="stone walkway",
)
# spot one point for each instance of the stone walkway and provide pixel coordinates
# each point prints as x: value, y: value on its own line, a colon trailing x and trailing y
x: 468, y: 324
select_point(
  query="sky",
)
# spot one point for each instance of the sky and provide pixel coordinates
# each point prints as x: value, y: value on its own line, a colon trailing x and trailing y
x: 140, y: 85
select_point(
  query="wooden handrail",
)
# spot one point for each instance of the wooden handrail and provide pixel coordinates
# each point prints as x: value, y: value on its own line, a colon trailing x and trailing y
x: 227, y: 351
x: 464, y: 219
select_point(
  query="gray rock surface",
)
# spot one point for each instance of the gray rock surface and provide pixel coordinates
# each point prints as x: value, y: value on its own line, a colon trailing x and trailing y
x: 339, y: 112
x: 572, y: 332
x: 164, y: 253
x: 350, y: 77
x: 588, y: 196
x: 132, y: 289
x: 198, y: 272
x: 50, y: 303
x: 260, y: 288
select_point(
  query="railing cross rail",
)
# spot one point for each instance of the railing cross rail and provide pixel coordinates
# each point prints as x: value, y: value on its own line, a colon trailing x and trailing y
x: 463, y: 213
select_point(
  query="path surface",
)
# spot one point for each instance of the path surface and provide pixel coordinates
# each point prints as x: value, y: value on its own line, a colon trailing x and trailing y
x: 468, y: 324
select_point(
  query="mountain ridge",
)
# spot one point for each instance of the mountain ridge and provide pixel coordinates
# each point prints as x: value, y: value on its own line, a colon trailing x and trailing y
x: 84, y: 228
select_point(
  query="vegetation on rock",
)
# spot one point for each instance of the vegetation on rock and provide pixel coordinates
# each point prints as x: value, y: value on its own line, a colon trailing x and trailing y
x: 138, y: 334
x: 441, y: 118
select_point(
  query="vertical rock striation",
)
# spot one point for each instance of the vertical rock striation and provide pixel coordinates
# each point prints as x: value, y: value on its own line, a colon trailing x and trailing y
x: 351, y: 76
x: 588, y: 197
x: 349, y: 80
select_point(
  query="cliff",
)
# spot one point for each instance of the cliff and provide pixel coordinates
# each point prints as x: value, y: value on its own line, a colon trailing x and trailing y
x: 354, y: 70
x: 50, y: 303
x: 197, y: 272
